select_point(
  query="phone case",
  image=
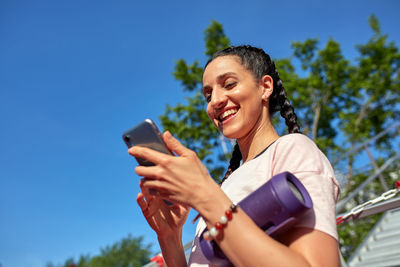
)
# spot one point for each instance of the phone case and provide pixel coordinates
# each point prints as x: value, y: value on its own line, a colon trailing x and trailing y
x: 145, y: 134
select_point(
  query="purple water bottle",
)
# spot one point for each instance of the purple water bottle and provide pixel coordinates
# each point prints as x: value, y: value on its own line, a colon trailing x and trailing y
x: 274, y: 207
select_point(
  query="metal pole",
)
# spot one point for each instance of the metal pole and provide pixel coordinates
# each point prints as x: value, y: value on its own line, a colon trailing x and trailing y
x: 359, y: 147
x: 343, y: 202
x: 373, y: 162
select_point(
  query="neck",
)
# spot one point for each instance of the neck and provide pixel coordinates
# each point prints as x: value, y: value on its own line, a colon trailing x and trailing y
x: 260, y: 137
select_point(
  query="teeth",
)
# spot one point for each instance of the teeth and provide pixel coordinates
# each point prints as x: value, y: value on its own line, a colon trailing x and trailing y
x: 227, y: 113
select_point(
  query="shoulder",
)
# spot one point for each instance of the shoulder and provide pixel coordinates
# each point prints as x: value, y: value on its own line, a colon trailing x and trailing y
x: 295, y: 140
x: 299, y: 155
x: 297, y: 145
x: 297, y: 152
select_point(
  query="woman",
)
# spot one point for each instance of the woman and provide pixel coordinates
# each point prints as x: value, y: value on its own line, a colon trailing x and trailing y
x: 243, y: 90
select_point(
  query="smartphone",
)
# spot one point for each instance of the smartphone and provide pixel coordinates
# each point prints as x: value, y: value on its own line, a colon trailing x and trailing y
x: 145, y: 134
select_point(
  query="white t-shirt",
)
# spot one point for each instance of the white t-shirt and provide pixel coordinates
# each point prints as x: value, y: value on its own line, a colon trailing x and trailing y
x: 299, y: 155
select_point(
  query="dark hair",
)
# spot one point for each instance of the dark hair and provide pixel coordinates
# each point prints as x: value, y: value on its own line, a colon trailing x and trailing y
x: 259, y: 64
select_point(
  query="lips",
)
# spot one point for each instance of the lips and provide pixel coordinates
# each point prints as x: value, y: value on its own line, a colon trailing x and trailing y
x: 225, y: 115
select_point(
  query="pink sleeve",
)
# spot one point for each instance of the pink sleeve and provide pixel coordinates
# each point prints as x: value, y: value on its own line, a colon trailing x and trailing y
x: 299, y: 155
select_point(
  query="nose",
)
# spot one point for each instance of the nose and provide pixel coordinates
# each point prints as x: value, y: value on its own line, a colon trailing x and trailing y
x: 218, y: 99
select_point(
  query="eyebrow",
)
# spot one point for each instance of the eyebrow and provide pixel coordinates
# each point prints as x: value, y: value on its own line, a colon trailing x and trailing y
x: 223, y: 76
x: 219, y: 79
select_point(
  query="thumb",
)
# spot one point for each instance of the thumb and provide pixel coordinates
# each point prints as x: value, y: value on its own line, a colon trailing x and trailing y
x: 173, y: 144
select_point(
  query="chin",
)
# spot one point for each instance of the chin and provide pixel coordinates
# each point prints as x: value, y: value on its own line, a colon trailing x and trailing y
x: 231, y: 132
x: 229, y: 136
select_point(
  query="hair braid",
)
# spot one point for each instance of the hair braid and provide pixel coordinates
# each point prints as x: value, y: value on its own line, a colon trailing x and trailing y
x: 234, y: 163
x: 283, y: 105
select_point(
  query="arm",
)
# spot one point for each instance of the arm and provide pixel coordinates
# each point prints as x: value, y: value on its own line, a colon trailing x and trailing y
x: 242, y: 241
x: 247, y: 245
x: 172, y: 250
x: 167, y: 222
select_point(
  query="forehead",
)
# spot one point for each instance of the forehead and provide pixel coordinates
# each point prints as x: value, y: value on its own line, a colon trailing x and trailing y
x: 221, y: 65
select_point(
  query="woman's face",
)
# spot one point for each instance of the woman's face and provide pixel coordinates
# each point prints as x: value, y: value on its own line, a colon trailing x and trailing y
x: 233, y: 95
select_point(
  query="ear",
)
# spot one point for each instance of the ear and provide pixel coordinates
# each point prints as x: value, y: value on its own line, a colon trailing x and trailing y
x: 267, y: 86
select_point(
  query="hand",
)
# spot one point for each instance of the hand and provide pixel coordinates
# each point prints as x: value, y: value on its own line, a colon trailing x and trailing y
x: 175, y: 178
x: 165, y: 220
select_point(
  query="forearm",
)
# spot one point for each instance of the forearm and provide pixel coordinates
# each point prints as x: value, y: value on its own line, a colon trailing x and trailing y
x: 172, y: 250
x: 247, y: 245
x: 263, y: 251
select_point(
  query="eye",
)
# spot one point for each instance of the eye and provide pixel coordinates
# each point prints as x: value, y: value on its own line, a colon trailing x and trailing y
x: 230, y: 84
x: 207, y: 95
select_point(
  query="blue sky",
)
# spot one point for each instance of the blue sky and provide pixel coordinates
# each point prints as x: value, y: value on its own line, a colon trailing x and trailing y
x: 75, y: 74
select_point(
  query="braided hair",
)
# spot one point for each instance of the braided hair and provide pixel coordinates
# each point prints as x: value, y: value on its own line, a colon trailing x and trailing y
x: 259, y: 64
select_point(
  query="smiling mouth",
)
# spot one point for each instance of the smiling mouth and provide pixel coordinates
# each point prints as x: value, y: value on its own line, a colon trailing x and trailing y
x: 227, y: 114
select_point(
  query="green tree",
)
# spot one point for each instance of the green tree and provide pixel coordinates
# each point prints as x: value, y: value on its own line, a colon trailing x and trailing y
x: 83, y: 261
x: 317, y: 97
x: 128, y: 252
x: 373, y: 92
x: 371, y: 105
x: 361, y: 98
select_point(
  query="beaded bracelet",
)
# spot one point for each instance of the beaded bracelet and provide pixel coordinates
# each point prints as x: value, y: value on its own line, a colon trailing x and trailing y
x: 223, y: 222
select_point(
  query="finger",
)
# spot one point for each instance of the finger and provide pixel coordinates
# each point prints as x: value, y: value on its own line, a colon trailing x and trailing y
x: 174, y: 145
x: 181, y: 210
x: 153, y: 185
x: 162, y: 192
x: 147, y: 153
x: 140, y: 199
x: 149, y: 206
x: 145, y: 191
x: 150, y: 172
